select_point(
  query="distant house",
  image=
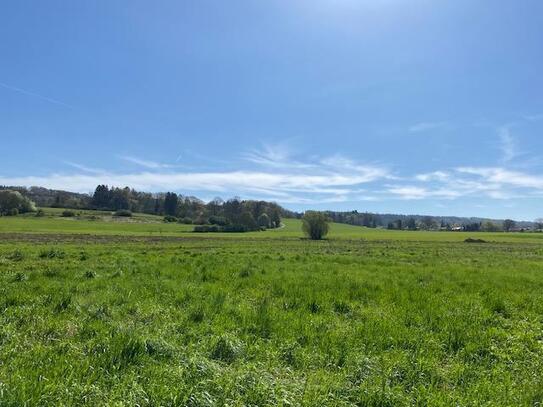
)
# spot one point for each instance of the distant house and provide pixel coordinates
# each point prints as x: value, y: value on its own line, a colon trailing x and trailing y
x: 521, y: 229
x: 457, y: 228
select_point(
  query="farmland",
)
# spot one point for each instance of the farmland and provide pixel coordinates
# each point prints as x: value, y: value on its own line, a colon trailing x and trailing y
x: 97, y: 311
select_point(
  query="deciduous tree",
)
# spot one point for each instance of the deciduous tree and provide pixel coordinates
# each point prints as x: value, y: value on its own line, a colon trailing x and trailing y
x: 315, y: 224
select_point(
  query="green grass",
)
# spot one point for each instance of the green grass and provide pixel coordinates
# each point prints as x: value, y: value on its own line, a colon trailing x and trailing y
x: 110, y: 313
x: 103, y: 223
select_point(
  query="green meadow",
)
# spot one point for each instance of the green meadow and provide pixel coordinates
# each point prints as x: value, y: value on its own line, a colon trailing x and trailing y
x: 100, y: 311
x: 103, y: 223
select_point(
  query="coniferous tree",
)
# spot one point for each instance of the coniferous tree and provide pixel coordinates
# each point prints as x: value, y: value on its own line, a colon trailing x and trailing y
x: 101, y: 198
x: 170, y: 204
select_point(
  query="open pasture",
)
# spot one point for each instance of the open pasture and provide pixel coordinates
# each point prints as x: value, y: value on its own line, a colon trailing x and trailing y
x: 103, y: 223
x: 136, y: 316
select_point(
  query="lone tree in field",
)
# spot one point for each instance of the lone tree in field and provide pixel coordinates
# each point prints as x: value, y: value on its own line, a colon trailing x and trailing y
x: 315, y: 224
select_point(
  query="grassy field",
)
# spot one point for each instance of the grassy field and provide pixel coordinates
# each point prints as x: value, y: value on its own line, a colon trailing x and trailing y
x: 103, y: 223
x: 103, y: 312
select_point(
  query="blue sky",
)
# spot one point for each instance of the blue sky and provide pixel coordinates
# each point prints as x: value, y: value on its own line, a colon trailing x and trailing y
x: 432, y: 107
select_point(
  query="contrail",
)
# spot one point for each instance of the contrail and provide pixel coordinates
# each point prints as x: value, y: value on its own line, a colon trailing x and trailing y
x: 27, y: 92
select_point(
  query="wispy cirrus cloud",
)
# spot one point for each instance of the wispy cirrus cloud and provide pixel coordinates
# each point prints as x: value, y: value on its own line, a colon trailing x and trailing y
x: 411, y: 192
x: 504, y: 177
x: 35, y: 95
x: 533, y: 117
x: 85, y: 168
x: 464, y: 182
x: 433, y: 176
x: 508, y: 144
x: 275, y: 156
x: 153, y: 165
x: 426, y: 126
x: 289, y: 186
x: 368, y: 184
x: 282, y: 158
x: 327, y: 179
x: 278, y: 173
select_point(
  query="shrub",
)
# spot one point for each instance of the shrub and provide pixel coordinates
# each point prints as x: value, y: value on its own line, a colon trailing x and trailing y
x: 471, y: 240
x: 235, y: 228
x: 185, y: 221
x: 315, y: 224
x: 200, y: 220
x: 218, y: 220
x: 206, y: 228
x: 40, y: 213
x: 170, y: 219
x: 67, y: 214
x: 125, y: 213
x: 13, y: 212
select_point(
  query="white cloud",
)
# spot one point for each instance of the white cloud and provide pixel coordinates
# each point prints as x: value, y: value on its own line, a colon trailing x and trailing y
x: 463, y: 182
x: 84, y: 168
x: 275, y: 156
x: 278, y: 174
x: 508, y: 144
x: 433, y: 176
x: 505, y: 177
x: 145, y: 163
x: 283, y: 186
x: 319, y: 186
x: 416, y: 192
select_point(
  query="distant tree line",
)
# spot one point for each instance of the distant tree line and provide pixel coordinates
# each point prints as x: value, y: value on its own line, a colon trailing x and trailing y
x: 189, y: 209
x: 50, y: 198
x: 217, y: 215
x: 429, y: 223
x: 233, y: 215
x: 370, y: 220
x: 418, y: 222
